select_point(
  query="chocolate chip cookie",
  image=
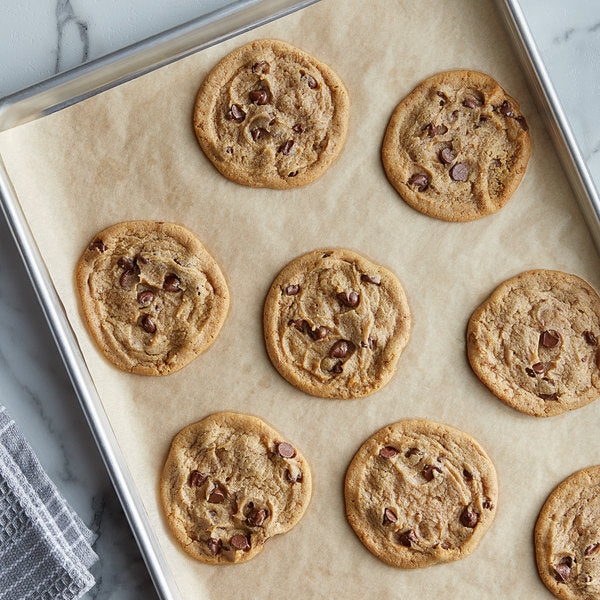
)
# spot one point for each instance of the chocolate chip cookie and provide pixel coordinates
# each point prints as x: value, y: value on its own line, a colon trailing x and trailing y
x: 335, y: 324
x: 567, y: 537
x: 270, y: 115
x: 534, y: 342
x: 420, y: 493
x: 456, y: 147
x: 230, y: 483
x: 152, y: 296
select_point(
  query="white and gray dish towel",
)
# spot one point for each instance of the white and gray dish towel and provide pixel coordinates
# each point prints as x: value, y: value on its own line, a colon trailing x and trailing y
x: 45, y: 548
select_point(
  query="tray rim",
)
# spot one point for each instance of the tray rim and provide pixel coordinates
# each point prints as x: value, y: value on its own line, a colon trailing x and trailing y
x: 94, y: 77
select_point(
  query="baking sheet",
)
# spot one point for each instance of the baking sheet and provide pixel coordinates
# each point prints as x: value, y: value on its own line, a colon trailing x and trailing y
x: 130, y: 153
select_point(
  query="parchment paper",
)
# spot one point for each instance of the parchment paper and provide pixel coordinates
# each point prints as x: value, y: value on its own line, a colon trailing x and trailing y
x: 130, y: 153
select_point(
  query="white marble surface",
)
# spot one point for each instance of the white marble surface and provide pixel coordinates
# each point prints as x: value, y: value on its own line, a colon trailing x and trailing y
x: 38, y: 39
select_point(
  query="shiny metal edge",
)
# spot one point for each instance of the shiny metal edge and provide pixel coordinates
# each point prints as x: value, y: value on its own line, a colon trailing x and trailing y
x: 554, y: 116
x: 58, y: 93
x: 87, y: 80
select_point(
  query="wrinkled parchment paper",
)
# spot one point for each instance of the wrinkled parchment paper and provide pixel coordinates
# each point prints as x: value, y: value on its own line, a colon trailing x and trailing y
x: 130, y: 153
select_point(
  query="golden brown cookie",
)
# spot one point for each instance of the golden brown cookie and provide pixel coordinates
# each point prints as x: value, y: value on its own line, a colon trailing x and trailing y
x: 457, y: 146
x: 270, y: 115
x: 335, y: 324
x: 534, y: 343
x: 420, y: 493
x: 152, y: 296
x: 567, y: 537
x: 230, y: 483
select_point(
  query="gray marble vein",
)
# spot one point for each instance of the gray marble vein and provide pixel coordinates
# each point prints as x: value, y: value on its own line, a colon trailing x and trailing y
x: 66, y: 20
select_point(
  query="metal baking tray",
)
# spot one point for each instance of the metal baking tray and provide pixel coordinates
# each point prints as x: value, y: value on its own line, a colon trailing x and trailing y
x: 66, y: 89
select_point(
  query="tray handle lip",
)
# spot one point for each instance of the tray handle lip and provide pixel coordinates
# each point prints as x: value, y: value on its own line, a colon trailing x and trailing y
x: 142, y: 57
x: 560, y: 130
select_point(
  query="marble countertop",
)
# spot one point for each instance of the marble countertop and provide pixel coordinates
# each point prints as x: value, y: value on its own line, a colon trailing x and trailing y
x: 38, y: 39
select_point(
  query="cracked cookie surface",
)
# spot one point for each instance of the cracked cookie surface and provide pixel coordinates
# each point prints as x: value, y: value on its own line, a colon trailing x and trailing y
x: 567, y: 537
x: 534, y: 342
x: 270, y: 115
x: 229, y: 484
x: 335, y: 324
x: 152, y: 296
x: 420, y: 493
x: 456, y: 148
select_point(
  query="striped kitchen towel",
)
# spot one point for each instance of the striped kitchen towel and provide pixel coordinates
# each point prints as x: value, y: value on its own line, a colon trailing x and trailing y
x: 45, y: 548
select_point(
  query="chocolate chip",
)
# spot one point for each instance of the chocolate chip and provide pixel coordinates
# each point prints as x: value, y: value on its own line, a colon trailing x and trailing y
x: 171, y: 283
x: 288, y: 474
x: 286, y: 450
x: 470, y: 102
x: 590, y: 338
x: 127, y: 280
x: 259, y: 97
x: 237, y: 113
x: 312, y: 83
x: 370, y: 344
x: 467, y: 475
x: 291, y: 290
x: 443, y: 97
x: 591, y: 548
x: 453, y: 116
x: 459, y: 172
x: 412, y: 452
x: 197, y: 478
x: 408, y: 537
x: 506, y: 109
x: 549, y: 339
x: 286, y: 147
x: 389, y: 516
x: 240, y: 542
x: 369, y: 279
x: 447, y: 156
x: 548, y: 396
x: 529, y: 372
x: 261, y: 67
x: 257, y: 517
x: 298, y: 128
x: 433, y: 130
x: 293, y: 174
x: 523, y: 123
x: 257, y: 133
x: 217, y: 495
x: 420, y: 181
x: 349, y: 299
x: 300, y: 324
x: 562, y: 572
x: 388, y: 452
x: 126, y: 263
x: 340, y: 349
x: 468, y: 517
x: 141, y: 259
x: 337, y: 368
x: 214, y: 546
x: 429, y: 472
x: 98, y: 246
x: 487, y: 504
x: 148, y: 324
x: 538, y: 368
x: 145, y: 298
x: 318, y: 333
x: 484, y: 118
